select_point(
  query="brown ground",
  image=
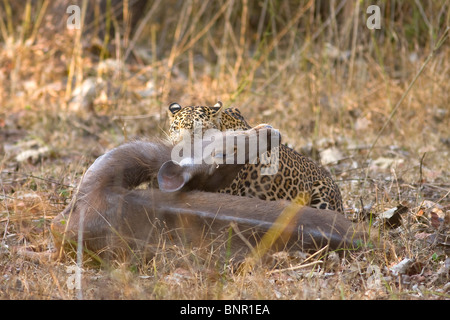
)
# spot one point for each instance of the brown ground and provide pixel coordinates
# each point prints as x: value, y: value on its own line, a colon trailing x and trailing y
x: 327, y: 82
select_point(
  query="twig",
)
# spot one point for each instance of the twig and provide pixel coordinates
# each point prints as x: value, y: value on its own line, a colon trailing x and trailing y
x: 140, y: 28
x: 301, y: 266
x: 239, y: 234
x: 430, y: 56
x: 420, y: 175
x: 294, y: 57
x: 29, y: 175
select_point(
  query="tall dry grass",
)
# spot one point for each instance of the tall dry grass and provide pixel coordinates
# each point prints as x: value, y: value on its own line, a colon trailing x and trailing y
x: 310, y: 68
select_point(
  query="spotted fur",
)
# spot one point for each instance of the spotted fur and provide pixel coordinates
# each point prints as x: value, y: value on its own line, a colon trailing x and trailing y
x: 298, y: 178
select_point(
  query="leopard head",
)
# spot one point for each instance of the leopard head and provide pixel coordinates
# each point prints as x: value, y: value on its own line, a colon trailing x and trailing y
x: 192, y: 119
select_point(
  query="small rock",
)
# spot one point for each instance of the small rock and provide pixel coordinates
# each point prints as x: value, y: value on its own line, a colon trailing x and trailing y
x: 331, y: 155
x: 402, y: 267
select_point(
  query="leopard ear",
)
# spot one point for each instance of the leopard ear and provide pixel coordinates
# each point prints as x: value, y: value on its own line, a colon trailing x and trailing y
x: 174, y: 107
x: 218, y: 108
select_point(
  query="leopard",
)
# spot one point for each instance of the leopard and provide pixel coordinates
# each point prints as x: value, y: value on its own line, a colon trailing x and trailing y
x: 298, y: 178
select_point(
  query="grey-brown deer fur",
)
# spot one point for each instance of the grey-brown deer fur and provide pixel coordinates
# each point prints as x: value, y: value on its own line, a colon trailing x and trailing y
x: 115, y: 217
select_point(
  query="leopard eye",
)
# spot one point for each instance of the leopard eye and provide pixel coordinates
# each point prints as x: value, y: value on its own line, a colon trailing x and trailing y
x: 174, y: 107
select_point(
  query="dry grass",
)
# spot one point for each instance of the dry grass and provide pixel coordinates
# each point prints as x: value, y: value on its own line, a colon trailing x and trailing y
x: 313, y: 70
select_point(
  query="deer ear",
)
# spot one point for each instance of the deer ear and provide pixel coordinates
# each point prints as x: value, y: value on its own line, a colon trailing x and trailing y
x: 174, y: 107
x: 171, y: 177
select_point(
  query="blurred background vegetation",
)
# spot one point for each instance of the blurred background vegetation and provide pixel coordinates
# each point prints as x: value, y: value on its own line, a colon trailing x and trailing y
x: 308, y: 54
x: 310, y: 68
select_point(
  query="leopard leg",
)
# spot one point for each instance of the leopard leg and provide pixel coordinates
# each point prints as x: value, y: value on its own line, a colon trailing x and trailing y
x: 326, y: 195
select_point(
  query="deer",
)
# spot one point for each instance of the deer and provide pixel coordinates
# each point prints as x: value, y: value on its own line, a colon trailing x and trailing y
x: 110, y: 216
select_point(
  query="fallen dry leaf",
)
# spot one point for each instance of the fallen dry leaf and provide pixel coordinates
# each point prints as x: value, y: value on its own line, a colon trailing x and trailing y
x: 402, y: 267
x: 436, y: 220
x: 392, y: 217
